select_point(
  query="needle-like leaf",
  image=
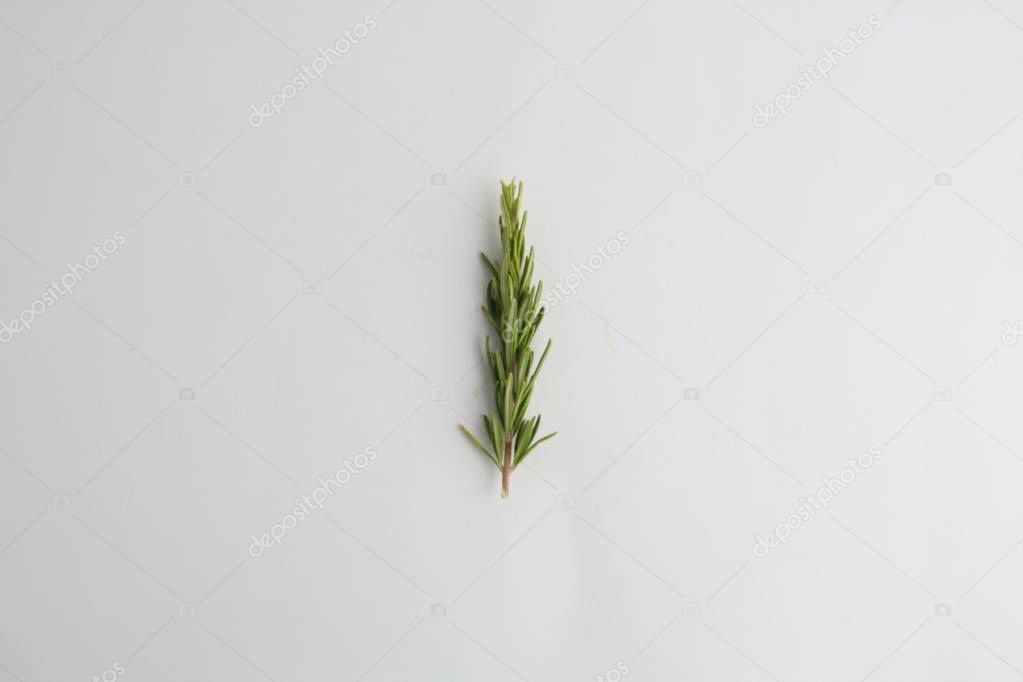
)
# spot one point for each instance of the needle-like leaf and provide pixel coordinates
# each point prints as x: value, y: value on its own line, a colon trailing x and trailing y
x: 488, y: 453
x: 533, y: 447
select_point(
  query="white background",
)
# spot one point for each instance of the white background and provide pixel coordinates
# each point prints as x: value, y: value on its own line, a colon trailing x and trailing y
x: 837, y: 279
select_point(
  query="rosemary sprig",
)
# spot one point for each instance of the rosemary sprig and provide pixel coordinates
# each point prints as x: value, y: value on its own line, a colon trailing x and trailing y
x: 513, y: 309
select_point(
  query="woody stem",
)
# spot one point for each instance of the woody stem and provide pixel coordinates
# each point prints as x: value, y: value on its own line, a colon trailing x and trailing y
x: 506, y: 468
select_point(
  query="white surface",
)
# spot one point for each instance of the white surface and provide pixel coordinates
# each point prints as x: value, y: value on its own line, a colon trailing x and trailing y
x: 700, y: 385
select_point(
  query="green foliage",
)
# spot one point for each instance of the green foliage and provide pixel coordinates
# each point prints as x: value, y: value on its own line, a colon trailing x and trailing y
x: 513, y: 309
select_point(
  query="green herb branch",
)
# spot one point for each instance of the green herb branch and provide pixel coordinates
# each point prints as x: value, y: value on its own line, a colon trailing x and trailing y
x: 513, y: 309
